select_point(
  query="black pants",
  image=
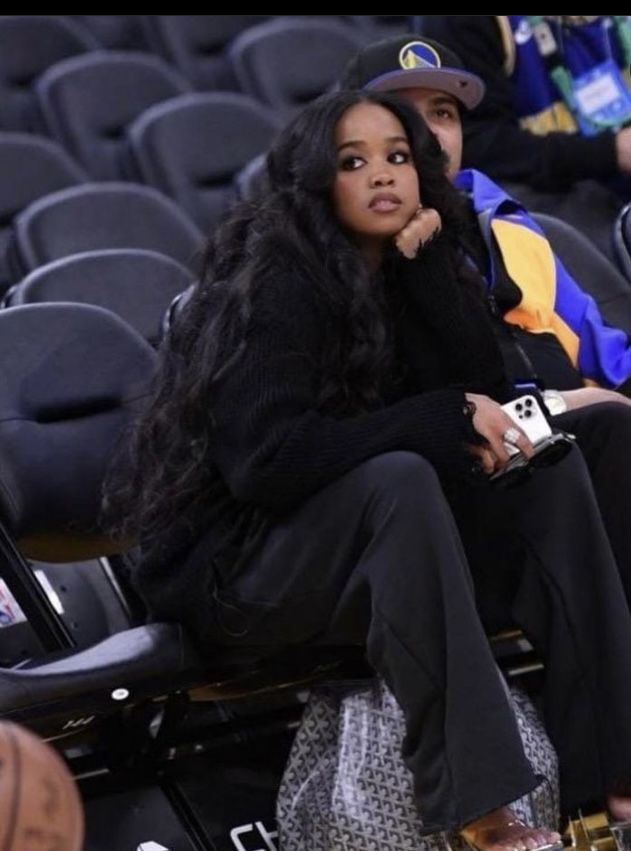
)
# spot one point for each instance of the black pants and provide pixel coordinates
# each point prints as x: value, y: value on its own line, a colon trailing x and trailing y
x: 376, y: 557
x: 603, y: 433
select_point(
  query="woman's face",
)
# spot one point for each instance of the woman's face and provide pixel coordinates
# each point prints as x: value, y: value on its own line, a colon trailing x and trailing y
x: 376, y: 187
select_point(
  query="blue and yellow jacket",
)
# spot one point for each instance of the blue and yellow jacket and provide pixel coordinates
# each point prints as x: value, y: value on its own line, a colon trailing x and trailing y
x: 551, y: 301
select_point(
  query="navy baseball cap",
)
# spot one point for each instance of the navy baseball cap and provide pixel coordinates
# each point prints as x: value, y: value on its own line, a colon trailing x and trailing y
x: 408, y: 62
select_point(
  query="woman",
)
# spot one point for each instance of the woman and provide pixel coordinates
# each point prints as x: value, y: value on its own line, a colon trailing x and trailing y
x: 328, y: 402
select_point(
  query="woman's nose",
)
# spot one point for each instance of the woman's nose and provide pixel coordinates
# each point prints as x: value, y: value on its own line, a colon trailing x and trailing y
x: 382, y: 178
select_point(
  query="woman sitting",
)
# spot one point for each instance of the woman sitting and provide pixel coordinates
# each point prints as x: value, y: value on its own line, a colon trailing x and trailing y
x: 314, y: 468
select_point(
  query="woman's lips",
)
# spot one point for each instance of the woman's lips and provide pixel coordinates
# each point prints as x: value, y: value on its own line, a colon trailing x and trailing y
x: 385, y: 202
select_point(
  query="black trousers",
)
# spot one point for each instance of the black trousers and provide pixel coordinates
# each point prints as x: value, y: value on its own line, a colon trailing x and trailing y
x: 376, y: 557
x: 603, y: 433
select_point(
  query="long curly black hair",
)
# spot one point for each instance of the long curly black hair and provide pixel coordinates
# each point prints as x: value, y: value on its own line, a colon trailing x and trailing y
x: 168, y: 468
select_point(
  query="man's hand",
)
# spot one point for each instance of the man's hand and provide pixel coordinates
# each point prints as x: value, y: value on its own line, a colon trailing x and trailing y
x: 585, y: 396
x: 623, y: 149
x: 424, y: 225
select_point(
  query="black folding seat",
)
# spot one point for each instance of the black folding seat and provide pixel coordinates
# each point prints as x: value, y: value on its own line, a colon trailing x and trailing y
x: 114, y: 32
x: 135, y: 284
x: 74, y: 376
x: 101, y: 215
x: 287, y: 62
x: 28, y: 45
x: 251, y: 179
x: 622, y: 241
x: 192, y: 146
x: 382, y: 26
x: 591, y: 269
x: 87, y: 102
x: 30, y: 167
x: 196, y: 44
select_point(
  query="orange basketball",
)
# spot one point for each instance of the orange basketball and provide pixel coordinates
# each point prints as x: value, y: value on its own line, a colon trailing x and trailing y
x: 40, y: 807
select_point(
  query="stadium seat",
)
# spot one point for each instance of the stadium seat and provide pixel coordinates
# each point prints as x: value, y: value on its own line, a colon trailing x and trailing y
x: 196, y: 44
x: 287, y: 62
x: 114, y: 32
x: 87, y: 102
x: 28, y: 45
x: 192, y: 146
x: 622, y: 241
x: 591, y: 269
x: 251, y: 179
x: 30, y: 167
x: 101, y: 215
x: 137, y: 285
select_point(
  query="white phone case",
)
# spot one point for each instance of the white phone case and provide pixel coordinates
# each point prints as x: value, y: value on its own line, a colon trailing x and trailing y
x: 527, y: 414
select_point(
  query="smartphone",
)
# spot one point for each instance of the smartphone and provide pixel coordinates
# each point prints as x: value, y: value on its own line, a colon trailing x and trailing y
x: 549, y: 446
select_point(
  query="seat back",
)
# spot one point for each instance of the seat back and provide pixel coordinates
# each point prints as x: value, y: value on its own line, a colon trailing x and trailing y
x: 377, y: 27
x: 251, y: 180
x: 622, y: 241
x: 192, y: 146
x: 114, y: 32
x: 195, y: 44
x: 28, y: 45
x: 591, y: 269
x: 72, y: 375
x: 137, y: 285
x: 30, y: 166
x: 88, y: 101
x: 287, y: 62
x: 95, y: 216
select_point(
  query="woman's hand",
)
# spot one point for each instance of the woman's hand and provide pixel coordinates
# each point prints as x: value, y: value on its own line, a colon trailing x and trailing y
x: 491, y: 422
x: 424, y: 225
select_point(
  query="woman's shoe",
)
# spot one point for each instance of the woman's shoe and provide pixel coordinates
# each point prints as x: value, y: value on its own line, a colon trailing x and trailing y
x: 501, y: 830
x: 621, y: 832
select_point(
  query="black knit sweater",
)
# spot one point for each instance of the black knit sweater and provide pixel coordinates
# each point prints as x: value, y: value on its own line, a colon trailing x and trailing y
x: 271, y: 446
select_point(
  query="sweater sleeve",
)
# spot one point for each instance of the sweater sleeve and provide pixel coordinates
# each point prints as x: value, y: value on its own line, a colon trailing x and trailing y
x: 272, y: 446
x: 494, y: 142
x: 458, y: 314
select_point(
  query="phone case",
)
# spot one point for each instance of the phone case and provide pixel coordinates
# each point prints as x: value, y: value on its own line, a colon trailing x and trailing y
x: 527, y: 414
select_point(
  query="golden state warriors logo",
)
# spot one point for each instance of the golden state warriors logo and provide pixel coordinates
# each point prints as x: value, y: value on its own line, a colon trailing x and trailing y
x: 417, y: 54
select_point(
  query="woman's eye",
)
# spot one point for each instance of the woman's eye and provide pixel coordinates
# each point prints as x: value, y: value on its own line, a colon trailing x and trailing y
x: 350, y: 163
x: 398, y: 157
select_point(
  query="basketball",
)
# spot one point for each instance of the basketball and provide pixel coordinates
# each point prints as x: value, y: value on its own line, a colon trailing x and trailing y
x: 40, y: 807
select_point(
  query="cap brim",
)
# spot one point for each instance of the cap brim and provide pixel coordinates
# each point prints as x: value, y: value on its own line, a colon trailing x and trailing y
x: 464, y: 86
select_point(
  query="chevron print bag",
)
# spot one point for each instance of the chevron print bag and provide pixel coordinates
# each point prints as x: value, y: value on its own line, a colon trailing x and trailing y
x: 346, y: 788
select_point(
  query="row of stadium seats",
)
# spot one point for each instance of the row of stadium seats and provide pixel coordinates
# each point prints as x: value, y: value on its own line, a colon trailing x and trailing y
x: 283, y: 62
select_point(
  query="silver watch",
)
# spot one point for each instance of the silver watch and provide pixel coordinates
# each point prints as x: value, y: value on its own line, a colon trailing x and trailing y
x: 554, y: 402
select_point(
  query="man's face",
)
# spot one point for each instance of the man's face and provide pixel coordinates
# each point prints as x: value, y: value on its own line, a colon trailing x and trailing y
x: 442, y: 116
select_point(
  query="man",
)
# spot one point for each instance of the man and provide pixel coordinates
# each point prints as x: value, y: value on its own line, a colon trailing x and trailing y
x: 551, y: 332
x: 552, y: 120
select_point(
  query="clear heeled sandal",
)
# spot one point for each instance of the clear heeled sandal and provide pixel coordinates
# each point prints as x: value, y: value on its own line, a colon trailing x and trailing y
x: 493, y: 835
